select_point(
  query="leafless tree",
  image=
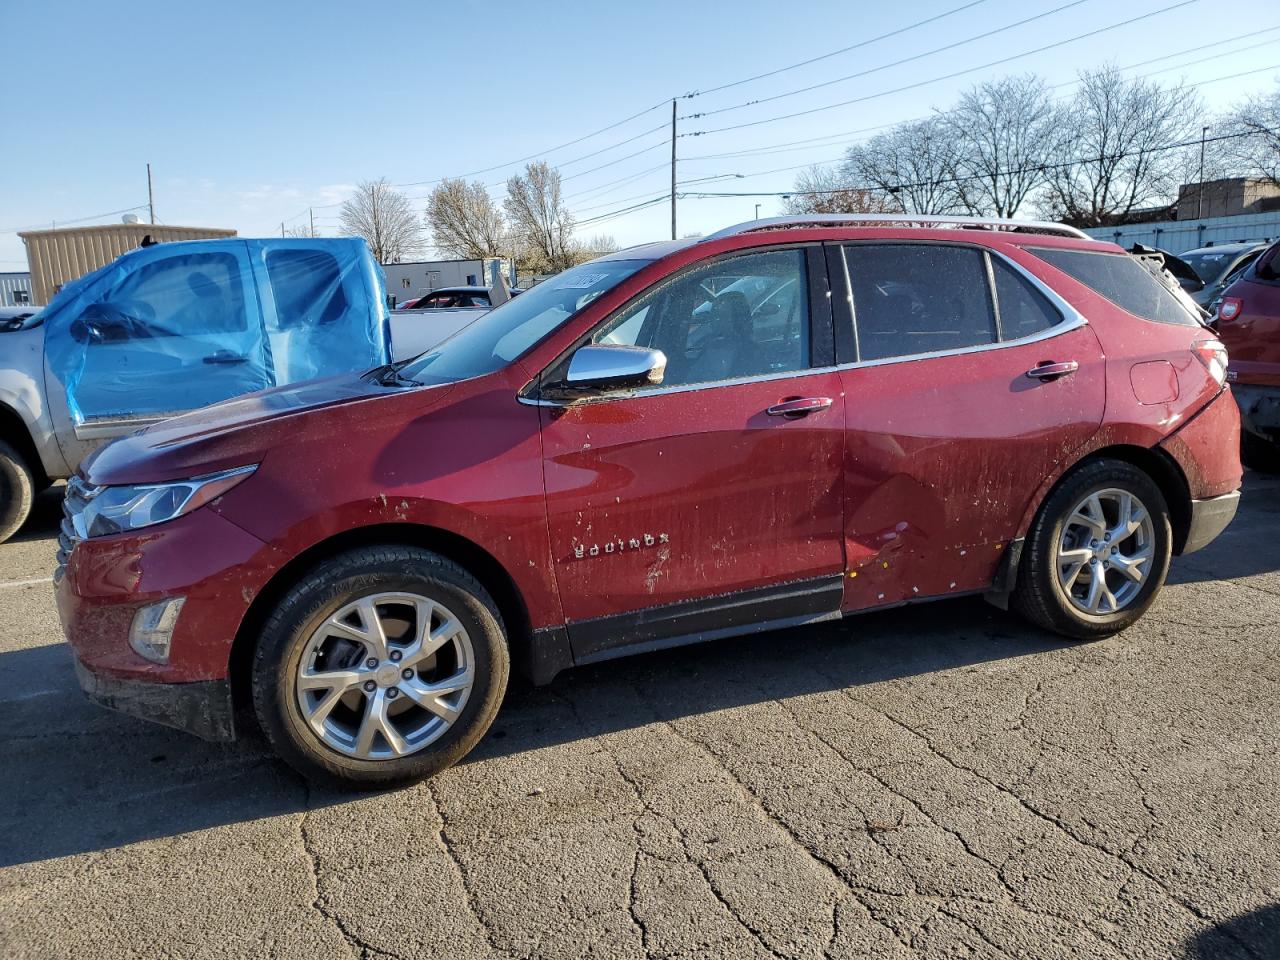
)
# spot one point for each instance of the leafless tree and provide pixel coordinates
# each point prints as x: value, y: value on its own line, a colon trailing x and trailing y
x: 1257, y: 154
x: 914, y: 163
x: 1119, y: 130
x: 386, y: 220
x: 822, y: 189
x: 541, y: 223
x: 464, y: 220
x: 298, y: 232
x: 594, y: 246
x: 1005, y: 132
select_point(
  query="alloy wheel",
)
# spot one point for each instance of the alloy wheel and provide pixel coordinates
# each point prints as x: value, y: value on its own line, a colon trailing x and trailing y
x: 385, y: 676
x: 1105, y: 551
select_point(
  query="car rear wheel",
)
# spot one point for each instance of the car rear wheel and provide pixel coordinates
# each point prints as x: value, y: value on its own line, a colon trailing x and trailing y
x: 1097, y: 553
x: 17, y: 491
x: 381, y: 667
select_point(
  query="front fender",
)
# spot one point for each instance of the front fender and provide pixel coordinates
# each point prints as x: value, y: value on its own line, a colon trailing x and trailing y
x: 22, y: 396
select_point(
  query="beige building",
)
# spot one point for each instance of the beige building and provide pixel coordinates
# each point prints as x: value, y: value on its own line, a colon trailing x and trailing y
x: 1227, y: 198
x: 58, y: 256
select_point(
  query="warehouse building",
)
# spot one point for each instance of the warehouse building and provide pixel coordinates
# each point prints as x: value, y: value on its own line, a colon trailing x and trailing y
x: 58, y: 256
x: 15, y: 289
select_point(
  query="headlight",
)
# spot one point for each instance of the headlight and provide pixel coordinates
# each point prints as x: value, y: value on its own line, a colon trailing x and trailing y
x: 117, y: 509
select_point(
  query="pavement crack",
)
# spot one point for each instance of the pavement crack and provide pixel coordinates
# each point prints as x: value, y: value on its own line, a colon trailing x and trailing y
x: 360, y: 949
x: 1061, y: 826
x: 446, y: 845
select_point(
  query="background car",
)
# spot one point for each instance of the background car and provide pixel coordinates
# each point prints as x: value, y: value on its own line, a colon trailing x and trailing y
x: 1248, y: 321
x: 448, y: 297
x: 1217, y: 265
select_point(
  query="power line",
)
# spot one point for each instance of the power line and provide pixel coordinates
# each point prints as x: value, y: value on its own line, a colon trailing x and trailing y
x: 1040, y: 168
x: 67, y: 223
x: 949, y: 76
x: 834, y: 53
x: 887, y: 66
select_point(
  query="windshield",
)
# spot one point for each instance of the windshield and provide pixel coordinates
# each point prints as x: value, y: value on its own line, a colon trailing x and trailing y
x: 1209, y: 265
x: 503, y: 334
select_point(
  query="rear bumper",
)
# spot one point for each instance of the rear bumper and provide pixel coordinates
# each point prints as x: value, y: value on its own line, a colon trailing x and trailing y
x: 203, y: 708
x: 1209, y: 518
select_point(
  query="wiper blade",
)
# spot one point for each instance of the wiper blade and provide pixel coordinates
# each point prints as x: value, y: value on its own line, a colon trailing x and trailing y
x: 388, y: 375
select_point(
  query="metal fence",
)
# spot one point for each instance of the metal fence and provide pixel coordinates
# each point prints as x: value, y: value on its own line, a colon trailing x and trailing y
x: 1179, y: 236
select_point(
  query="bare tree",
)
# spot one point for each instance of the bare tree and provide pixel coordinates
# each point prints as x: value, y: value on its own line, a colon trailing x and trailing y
x: 1005, y: 132
x: 1119, y: 130
x: 594, y: 246
x: 1257, y: 153
x: 914, y: 163
x: 464, y: 220
x: 541, y: 223
x: 822, y: 189
x: 298, y: 232
x: 386, y: 220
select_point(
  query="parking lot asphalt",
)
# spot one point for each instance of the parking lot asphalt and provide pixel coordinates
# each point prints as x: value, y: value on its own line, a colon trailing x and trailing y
x: 938, y: 781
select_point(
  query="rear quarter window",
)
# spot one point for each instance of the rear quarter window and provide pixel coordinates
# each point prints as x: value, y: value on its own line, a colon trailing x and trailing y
x: 1123, y: 281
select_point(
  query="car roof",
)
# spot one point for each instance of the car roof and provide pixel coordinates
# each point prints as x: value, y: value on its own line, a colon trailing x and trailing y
x: 1240, y: 246
x: 456, y: 290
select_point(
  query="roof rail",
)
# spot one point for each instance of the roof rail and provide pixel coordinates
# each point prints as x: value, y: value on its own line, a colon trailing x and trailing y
x: 925, y: 221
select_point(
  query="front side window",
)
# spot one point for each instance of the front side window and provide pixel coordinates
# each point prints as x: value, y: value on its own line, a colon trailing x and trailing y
x: 181, y: 296
x: 742, y: 316
x: 910, y: 299
x: 1122, y: 280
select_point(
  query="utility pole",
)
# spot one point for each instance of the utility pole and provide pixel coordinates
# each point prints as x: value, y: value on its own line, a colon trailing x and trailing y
x: 673, y: 169
x: 312, y: 212
x: 151, y: 200
x: 1200, y: 189
x: 282, y: 228
x: 757, y: 216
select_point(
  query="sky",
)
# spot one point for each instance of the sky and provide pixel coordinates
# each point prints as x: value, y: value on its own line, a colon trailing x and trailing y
x: 252, y: 113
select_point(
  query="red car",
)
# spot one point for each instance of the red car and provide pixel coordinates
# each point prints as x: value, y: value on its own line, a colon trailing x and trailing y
x: 1248, y: 321
x: 786, y: 422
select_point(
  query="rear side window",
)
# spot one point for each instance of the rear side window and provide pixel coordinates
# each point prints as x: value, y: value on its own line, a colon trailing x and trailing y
x: 1266, y: 269
x: 307, y: 285
x: 1024, y: 310
x: 1123, y: 281
x: 918, y: 298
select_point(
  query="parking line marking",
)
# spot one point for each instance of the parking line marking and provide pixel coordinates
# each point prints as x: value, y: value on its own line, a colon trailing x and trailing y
x: 25, y: 583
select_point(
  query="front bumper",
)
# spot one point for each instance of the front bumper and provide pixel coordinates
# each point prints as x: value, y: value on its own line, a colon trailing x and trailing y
x: 1209, y: 518
x: 203, y: 708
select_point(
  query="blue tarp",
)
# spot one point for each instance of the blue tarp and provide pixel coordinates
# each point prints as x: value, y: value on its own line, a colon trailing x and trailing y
x: 176, y: 326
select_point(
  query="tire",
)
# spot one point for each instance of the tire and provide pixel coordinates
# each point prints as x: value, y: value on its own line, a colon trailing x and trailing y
x: 1258, y: 453
x: 1042, y: 594
x: 412, y: 586
x: 17, y: 491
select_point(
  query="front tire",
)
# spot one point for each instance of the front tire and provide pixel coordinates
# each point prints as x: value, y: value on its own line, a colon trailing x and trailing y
x: 17, y: 491
x: 381, y: 667
x: 1097, y: 553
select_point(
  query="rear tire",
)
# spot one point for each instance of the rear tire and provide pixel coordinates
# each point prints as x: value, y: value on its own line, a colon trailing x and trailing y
x: 17, y: 491
x: 1071, y: 579
x: 319, y: 689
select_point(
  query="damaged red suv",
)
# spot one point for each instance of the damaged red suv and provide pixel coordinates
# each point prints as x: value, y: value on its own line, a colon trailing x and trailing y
x: 785, y: 422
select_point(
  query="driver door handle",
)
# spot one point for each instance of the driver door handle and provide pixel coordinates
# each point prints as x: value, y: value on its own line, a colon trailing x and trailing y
x: 799, y: 407
x: 1052, y: 371
x: 225, y: 356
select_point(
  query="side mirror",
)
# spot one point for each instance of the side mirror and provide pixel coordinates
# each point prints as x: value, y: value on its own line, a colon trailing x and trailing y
x: 612, y: 367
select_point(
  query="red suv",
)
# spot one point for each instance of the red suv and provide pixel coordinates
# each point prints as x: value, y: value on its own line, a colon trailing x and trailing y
x: 1248, y: 321
x: 785, y: 422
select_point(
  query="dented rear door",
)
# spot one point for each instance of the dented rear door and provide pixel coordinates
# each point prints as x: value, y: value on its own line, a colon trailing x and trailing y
x: 946, y: 448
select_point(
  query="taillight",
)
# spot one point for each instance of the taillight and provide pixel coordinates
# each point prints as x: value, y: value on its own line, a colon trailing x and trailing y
x: 1230, y: 308
x: 1213, y: 355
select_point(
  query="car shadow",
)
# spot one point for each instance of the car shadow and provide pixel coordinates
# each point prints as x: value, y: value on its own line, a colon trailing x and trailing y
x: 82, y: 779
x: 46, y: 515
x: 1249, y: 935
x: 1240, y: 551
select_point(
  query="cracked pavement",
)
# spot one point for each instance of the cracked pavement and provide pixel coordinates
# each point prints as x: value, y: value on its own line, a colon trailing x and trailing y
x: 937, y: 781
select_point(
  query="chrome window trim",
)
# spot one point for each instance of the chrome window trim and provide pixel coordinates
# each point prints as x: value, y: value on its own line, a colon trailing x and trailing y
x: 1072, y: 319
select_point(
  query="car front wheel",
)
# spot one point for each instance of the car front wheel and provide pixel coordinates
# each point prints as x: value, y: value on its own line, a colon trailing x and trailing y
x: 17, y: 490
x: 381, y: 667
x: 1097, y: 553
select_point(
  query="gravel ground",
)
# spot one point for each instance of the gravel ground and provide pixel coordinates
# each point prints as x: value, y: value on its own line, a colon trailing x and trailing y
x: 940, y: 781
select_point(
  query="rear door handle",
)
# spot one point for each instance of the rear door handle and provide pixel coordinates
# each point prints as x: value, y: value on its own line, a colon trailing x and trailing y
x: 1052, y: 371
x: 799, y: 407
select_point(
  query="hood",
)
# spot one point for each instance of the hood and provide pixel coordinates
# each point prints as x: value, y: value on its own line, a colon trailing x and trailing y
x: 239, y: 431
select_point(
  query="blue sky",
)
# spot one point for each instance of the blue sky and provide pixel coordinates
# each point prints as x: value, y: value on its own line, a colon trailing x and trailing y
x: 251, y: 112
